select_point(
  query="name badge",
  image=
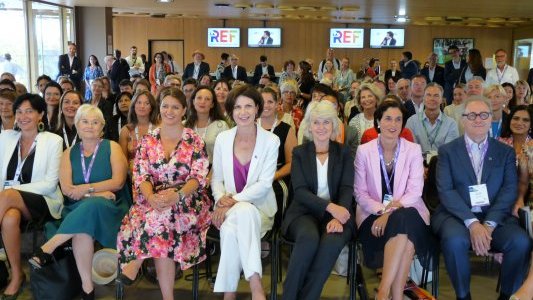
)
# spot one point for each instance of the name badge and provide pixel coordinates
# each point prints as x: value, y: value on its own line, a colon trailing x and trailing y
x: 478, y: 195
x: 387, y: 199
x: 8, y: 184
x: 430, y: 155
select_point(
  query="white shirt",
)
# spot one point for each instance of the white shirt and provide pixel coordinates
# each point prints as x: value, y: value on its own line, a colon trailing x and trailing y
x: 496, y: 76
x: 70, y: 60
x: 196, y: 70
x: 322, y: 174
x: 265, y: 70
x: 431, y: 73
x: 234, y: 72
x: 134, y: 63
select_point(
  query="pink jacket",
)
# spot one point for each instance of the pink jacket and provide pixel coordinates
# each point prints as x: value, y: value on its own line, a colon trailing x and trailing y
x: 408, y: 180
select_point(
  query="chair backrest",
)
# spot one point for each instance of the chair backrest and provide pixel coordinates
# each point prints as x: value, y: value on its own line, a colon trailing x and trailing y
x: 430, y: 195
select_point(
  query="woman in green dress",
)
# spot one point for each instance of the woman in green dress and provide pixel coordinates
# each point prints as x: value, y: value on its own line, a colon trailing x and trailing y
x: 92, y: 177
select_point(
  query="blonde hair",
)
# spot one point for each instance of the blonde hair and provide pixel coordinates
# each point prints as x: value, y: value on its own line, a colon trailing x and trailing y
x: 494, y: 87
x: 377, y: 92
x: 322, y: 110
x: 88, y: 109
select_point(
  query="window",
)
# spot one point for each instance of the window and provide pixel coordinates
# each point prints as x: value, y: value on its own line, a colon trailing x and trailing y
x: 14, y: 41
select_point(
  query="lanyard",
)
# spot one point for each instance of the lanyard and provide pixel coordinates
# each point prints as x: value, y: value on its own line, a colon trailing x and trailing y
x: 478, y: 168
x: 205, y: 131
x: 431, y: 137
x: 273, y: 125
x: 20, y: 161
x: 500, y: 78
x: 87, y: 172
x: 384, y: 167
x: 498, y: 131
x: 65, y: 137
x: 119, y: 124
x: 137, y: 131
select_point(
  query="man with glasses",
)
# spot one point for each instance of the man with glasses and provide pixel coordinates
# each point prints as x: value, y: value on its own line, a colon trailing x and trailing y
x: 503, y: 72
x: 477, y: 185
x: 452, y: 72
x: 234, y: 71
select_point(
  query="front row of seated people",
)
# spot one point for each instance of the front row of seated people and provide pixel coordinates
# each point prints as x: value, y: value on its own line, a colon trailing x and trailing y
x: 171, y: 212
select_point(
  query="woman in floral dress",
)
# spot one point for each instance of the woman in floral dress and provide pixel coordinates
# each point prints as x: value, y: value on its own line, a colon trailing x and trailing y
x: 170, y: 216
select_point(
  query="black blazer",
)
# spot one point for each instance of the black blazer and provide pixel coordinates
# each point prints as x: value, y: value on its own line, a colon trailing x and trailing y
x: 119, y: 70
x: 410, y: 108
x: 241, y: 74
x: 258, y: 72
x: 189, y: 70
x: 388, y: 74
x: 65, y: 69
x: 481, y: 72
x: 305, y: 183
x: 438, y: 77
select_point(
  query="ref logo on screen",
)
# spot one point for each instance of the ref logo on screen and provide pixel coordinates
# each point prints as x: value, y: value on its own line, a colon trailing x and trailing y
x: 223, y: 37
x: 346, y: 37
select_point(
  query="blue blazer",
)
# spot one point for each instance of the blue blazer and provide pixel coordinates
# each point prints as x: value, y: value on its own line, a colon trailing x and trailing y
x: 455, y: 174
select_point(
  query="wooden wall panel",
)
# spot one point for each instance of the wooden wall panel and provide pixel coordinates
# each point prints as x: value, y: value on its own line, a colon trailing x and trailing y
x: 301, y: 39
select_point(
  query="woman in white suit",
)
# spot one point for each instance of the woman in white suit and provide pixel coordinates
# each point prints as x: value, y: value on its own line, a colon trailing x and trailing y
x: 29, y: 174
x: 244, y: 164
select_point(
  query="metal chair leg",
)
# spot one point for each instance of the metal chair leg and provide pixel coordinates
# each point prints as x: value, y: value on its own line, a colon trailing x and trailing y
x: 352, y: 270
x: 119, y: 287
x: 195, y: 279
x: 274, y: 257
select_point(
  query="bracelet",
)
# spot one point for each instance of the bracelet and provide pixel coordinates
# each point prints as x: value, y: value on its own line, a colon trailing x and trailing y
x: 87, y: 195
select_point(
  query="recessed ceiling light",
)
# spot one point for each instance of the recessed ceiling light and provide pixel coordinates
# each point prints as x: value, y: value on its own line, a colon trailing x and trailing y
x: 164, y: 1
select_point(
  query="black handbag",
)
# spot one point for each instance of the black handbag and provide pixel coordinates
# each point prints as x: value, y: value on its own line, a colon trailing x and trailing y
x: 58, y: 280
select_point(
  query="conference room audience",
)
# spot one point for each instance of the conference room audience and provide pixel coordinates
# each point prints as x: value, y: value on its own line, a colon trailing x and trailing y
x: 391, y: 86
x: 65, y: 83
x: 92, y: 177
x: 41, y: 82
x: 344, y: 79
x: 293, y: 114
x: 205, y: 80
x: 502, y: 72
x: 477, y: 184
x: 351, y: 107
x: 205, y: 118
x: 171, y: 212
x: 158, y: 72
x: 433, y: 72
x: 459, y: 95
x: 474, y: 67
x: 29, y: 184
x: 408, y: 66
x: 52, y: 94
x: 224, y: 62
x: 452, y: 72
x: 222, y: 89
x: 305, y: 83
x: 7, y: 115
x: 98, y: 99
x: 197, y: 68
x: 173, y: 81
x: 68, y: 107
x: 143, y: 118
x: 189, y: 86
x: 140, y: 85
x: 496, y: 94
x: 517, y: 133
x: 120, y: 70
x: 368, y: 97
x: 244, y: 165
x: 70, y: 65
x: 92, y: 71
x: 510, y: 100
x: 107, y: 91
x: 234, y: 71
x: 319, y: 218
x: 263, y: 68
x: 391, y: 216
x: 431, y: 127
x: 330, y: 55
x: 288, y: 72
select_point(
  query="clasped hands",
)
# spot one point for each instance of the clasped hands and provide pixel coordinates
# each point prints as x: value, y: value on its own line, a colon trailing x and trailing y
x: 163, y: 199
x: 222, y: 206
x: 78, y: 192
x: 480, y: 238
x: 378, y: 227
x: 340, y: 216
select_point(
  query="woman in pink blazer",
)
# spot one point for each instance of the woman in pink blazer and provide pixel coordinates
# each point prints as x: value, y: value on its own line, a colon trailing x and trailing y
x: 392, y: 219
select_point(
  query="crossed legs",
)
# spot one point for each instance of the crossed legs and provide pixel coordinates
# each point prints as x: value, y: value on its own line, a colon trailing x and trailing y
x: 399, y: 252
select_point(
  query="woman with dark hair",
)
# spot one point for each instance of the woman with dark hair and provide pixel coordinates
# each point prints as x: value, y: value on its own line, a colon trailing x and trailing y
x: 92, y: 71
x: 510, y: 100
x: 518, y: 134
x: 122, y: 107
x: 158, y: 72
x: 205, y: 119
x: 305, y: 84
x: 7, y: 116
x: 42, y: 81
x: 205, y: 80
x: 370, y: 69
x: 244, y: 164
x: 171, y: 212
x: 143, y: 118
x: 392, y: 218
x: 107, y: 92
x: 222, y: 89
x: 474, y: 67
x: 29, y: 189
x: 52, y: 94
x: 68, y: 107
x: 289, y: 71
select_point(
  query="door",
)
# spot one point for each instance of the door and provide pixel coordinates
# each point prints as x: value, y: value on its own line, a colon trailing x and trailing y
x: 172, y: 47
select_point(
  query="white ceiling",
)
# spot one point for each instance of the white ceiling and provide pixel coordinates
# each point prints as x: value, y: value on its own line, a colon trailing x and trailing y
x: 494, y: 13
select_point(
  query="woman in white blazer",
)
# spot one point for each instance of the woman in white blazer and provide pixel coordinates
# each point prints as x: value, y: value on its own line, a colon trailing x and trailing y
x: 29, y: 166
x: 244, y: 164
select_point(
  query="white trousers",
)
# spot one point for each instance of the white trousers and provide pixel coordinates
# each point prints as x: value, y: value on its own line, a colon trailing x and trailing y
x: 240, y: 246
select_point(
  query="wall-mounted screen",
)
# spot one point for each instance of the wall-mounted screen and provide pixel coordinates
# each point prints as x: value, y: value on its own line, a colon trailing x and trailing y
x: 264, y: 37
x: 346, y: 37
x: 387, y: 38
x: 224, y: 37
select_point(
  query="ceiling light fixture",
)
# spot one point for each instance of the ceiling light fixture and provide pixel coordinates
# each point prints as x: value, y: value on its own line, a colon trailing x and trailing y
x: 401, y: 18
x: 164, y: 1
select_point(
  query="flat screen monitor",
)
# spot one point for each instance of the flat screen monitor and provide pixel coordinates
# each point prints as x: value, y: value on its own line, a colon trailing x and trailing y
x: 346, y: 37
x: 224, y: 37
x: 264, y: 37
x: 387, y: 38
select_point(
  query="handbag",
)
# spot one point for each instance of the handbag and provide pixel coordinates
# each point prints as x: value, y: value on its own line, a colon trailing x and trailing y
x: 58, y: 280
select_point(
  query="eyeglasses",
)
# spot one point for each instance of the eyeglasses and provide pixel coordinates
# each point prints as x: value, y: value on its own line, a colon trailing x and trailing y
x: 472, y: 116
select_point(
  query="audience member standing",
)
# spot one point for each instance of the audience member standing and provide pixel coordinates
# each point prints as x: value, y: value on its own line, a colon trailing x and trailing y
x: 92, y: 71
x: 119, y: 71
x: 452, y: 72
x: 197, y: 68
x: 502, y: 72
x: 70, y: 65
x: 136, y: 63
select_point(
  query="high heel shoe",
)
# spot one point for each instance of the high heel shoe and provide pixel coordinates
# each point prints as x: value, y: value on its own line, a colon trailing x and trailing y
x: 17, y: 293
x: 40, y: 259
x: 87, y: 296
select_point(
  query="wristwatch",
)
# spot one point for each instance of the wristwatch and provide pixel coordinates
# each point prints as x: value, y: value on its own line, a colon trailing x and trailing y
x: 181, y: 195
x: 91, y: 190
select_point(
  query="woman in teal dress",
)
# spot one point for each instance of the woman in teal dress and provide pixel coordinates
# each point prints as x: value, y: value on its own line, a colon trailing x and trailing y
x: 92, y: 177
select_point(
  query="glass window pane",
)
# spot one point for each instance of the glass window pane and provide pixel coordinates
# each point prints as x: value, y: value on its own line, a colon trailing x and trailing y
x: 13, y: 41
x: 48, y: 37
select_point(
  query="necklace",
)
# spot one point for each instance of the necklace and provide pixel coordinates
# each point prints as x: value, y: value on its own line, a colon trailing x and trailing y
x: 388, y: 164
x: 322, y: 152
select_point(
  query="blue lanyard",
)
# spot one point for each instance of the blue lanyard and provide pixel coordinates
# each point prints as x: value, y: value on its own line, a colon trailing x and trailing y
x: 383, y: 165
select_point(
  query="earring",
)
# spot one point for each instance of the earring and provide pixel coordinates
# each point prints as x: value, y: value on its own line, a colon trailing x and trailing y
x: 40, y: 126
